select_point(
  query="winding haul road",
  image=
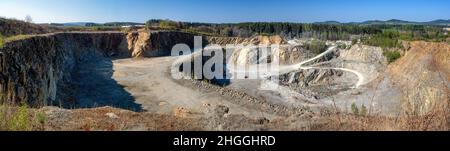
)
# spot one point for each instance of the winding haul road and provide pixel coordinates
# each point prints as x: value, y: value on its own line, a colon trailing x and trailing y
x: 256, y: 69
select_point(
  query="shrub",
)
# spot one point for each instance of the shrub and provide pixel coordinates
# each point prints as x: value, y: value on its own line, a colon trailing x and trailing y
x: 2, y: 117
x: 41, y: 118
x: 95, y: 28
x: 363, y: 111
x: 168, y: 24
x: 354, y: 41
x: 20, y: 120
x: 317, y: 46
x: 359, y: 111
x: 342, y: 46
x: 391, y: 55
x: 355, y: 109
x: 2, y: 41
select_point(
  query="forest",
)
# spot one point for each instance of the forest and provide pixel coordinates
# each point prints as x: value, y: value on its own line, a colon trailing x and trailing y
x: 383, y: 34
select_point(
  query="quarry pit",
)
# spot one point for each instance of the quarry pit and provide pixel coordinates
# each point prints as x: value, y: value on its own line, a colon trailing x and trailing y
x: 131, y: 71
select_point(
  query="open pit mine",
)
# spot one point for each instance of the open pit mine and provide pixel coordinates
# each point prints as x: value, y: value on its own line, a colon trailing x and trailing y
x: 123, y: 81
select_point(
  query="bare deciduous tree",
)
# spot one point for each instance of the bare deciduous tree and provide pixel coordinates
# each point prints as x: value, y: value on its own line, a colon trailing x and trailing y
x: 28, y: 19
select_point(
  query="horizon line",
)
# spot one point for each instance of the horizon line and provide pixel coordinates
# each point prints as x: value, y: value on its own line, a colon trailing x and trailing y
x: 238, y: 22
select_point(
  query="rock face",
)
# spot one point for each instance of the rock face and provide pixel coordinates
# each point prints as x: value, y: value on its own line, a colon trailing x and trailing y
x: 157, y: 43
x: 33, y: 70
x: 367, y: 60
x: 305, y: 78
x: 287, y: 54
x: 257, y: 40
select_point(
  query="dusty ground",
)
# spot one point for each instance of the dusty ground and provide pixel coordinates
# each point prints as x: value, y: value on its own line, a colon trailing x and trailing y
x: 150, y: 83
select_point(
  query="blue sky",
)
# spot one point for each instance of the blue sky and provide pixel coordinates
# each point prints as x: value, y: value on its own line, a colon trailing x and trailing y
x: 220, y: 11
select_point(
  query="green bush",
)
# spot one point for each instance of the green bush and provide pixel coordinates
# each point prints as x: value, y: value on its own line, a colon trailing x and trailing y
x: 2, y: 41
x: 41, y: 117
x: 2, y: 117
x: 342, y: 46
x: 354, y: 41
x: 386, y: 39
x: 355, y: 109
x: 391, y: 55
x: 317, y: 46
x: 168, y: 24
x: 20, y: 120
x: 359, y: 111
x: 95, y: 28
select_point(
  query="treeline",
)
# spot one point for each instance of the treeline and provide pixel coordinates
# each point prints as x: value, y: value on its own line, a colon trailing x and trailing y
x: 319, y: 31
x: 304, y: 30
x: 392, y: 36
x: 386, y: 39
x: 113, y: 24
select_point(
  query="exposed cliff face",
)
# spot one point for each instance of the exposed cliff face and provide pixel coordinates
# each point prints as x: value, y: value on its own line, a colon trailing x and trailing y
x: 160, y: 43
x: 367, y: 60
x: 34, y: 70
x: 287, y: 54
x: 27, y: 70
x: 257, y: 40
x: 157, y: 43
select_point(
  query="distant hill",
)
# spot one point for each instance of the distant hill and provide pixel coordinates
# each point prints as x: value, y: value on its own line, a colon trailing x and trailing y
x: 328, y: 22
x: 439, y: 22
x: 77, y: 23
x: 83, y: 24
x: 122, y: 24
x: 388, y: 22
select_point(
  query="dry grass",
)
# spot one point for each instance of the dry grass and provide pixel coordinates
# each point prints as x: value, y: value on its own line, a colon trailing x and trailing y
x: 4, y: 40
x: 436, y: 120
x: 21, y: 118
x: 96, y: 119
x: 17, y: 37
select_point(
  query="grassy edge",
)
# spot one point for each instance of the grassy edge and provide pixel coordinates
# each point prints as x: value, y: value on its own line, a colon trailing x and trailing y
x: 21, y: 118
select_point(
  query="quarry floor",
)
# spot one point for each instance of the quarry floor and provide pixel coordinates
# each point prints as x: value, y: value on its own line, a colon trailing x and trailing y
x: 149, y: 82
